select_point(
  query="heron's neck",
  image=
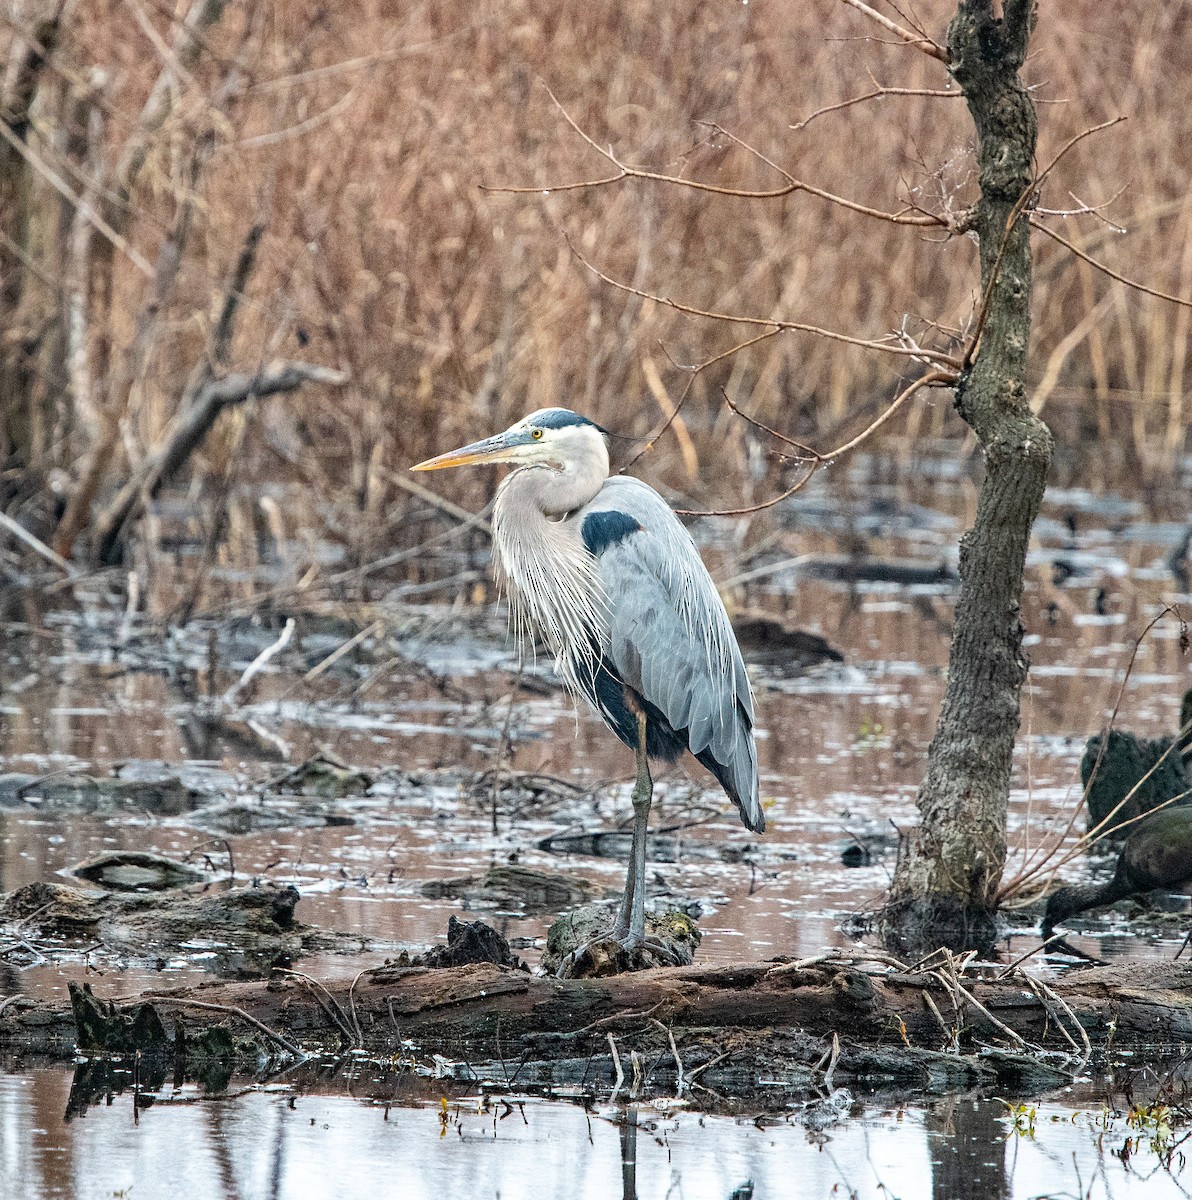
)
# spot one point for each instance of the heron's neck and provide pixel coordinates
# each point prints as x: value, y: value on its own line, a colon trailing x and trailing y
x: 555, y: 491
x: 542, y: 563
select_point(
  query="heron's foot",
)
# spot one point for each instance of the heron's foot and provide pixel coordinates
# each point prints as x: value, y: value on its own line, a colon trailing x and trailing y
x: 588, y: 942
x: 608, y: 954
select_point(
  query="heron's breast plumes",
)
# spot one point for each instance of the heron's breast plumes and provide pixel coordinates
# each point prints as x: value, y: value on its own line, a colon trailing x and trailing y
x: 551, y: 582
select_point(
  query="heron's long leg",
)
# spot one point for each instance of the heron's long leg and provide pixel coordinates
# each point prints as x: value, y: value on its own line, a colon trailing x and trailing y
x: 631, y: 919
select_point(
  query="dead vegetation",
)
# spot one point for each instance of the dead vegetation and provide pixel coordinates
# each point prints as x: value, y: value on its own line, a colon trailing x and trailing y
x: 208, y: 194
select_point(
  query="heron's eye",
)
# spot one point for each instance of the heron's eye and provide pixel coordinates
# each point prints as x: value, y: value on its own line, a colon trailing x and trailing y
x: 536, y: 434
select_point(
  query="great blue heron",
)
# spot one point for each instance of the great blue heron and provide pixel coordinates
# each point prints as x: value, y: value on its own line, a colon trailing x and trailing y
x: 605, y: 574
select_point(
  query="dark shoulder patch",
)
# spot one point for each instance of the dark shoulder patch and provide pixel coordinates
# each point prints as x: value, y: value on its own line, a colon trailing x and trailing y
x: 604, y: 529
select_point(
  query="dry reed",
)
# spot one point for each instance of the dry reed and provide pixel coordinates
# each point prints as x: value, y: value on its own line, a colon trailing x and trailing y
x: 360, y: 136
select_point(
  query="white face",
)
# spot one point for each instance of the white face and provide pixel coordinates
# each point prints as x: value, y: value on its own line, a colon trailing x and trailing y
x: 543, y: 442
x: 535, y: 440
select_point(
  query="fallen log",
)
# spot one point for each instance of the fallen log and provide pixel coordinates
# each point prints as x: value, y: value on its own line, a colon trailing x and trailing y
x: 749, y: 1021
x: 190, y: 427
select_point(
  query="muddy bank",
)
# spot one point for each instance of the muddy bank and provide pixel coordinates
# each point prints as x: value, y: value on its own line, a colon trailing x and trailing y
x: 241, y: 931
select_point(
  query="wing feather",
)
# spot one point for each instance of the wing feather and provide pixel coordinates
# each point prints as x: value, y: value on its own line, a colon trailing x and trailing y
x: 670, y: 638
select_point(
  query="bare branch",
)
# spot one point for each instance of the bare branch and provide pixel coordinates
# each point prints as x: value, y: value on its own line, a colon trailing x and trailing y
x: 934, y: 356
x: 804, y: 451
x: 1075, y: 140
x: 1084, y: 209
x: 792, y: 185
x: 920, y: 219
x: 1107, y: 270
x: 918, y: 41
x: 62, y: 187
x: 1020, y: 206
x: 932, y: 378
x: 693, y: 372
x: 878, y: 91
x: 35, y: 544
x: 191, y: 427
x: 231, y: 698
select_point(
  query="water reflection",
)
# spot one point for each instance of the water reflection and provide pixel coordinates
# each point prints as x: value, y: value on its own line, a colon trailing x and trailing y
x: 283, y: 1143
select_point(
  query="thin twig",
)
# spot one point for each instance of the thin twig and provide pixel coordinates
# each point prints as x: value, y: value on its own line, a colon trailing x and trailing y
x: 352, y: 1009
x: 792, y: 185
x: 964, y: 994
x: 680, y: 1085
x: 376, y: 627
x: 1031, y: 868
x: 1055, y: 937
x: 693, y: 372
x: 1107, y: 270
x: 831, y: 1071
x: 945, y: 378
x: 706, y: 1066
x: 942, y: 93
x: 329, y: 1005
x: 37, y: 545
x: 935, y: 356
x: 232, y: 695
x: 282, y: 1041
x: 845, y: 957
x: 949, y: 1033
x: 84, y: 209
x: 1020, y: 206
x: 1046, y: 995
x: 918, y: 41
x: 470, y: 519
x: 616, y: 1063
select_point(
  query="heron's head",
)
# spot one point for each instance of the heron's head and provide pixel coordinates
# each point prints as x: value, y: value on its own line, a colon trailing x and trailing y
x: 550, y: 437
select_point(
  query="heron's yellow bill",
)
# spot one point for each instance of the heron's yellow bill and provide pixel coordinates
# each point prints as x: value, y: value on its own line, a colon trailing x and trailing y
x: 504, y: 447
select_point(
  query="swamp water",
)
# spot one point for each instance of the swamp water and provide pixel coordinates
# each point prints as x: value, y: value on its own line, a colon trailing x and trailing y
x: 434, y: 702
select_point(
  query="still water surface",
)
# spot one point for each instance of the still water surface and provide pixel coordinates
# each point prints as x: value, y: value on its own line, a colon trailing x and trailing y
x: 841, y: 748
x: 276, y: 1143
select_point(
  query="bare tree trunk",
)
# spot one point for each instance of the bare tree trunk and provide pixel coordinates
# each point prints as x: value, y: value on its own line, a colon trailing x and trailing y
x: 113, y: 379
x: 946, y: 881
x: 25, y: 414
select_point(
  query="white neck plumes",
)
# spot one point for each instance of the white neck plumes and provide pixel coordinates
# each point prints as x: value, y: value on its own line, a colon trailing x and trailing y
x: 542, y: 563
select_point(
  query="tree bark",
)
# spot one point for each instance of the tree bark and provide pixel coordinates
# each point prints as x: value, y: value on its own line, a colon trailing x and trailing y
x: 25, y: 414
x: 946, y: 880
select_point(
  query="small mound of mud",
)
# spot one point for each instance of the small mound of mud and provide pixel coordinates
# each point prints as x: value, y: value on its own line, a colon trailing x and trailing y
x: 253, y: 816
x: 467, y: 942
x: 165, y: 797
x: 765, y: 639
x: 324, y: 777
x: 578, y: 944
x: 136, y: 871
x: 238, y: 930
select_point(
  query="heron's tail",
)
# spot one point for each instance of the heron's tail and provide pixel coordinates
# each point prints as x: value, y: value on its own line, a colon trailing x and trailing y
x: 737, y: 772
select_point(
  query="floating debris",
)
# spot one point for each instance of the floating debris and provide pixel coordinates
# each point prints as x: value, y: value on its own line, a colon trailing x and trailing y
x: 136, y: 871
x: 513, y: 886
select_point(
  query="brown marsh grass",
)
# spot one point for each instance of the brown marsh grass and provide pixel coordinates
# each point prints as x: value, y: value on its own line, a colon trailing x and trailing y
x: 362, y: 137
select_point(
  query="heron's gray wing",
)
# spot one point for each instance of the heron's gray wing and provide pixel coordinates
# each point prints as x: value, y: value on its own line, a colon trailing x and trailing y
x: 669, y: 635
